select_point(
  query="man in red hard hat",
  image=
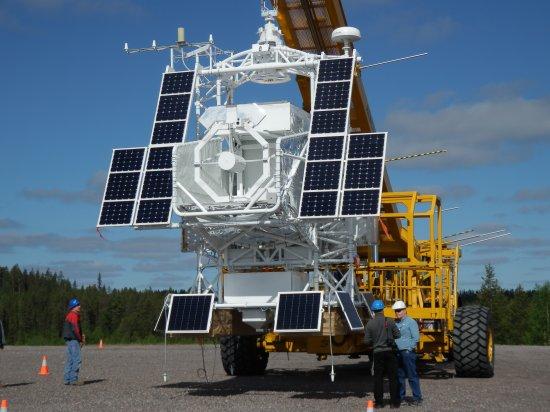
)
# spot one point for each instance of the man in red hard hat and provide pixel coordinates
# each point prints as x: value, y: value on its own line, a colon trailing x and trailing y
x: 72, y: 333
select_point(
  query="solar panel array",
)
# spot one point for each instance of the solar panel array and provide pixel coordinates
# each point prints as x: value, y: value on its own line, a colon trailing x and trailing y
x: 298, y: 312
x: 143, y: 177
x: 352, y: 317
x: 191, y: 313
x: 327, y: 137
x: 121, y: 190
x: 364, y: 164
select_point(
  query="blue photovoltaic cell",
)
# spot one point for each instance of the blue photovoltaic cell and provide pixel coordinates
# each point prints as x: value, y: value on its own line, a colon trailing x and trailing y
x: 319, y: 203
x: 335, y: 69
x: 322, y: 175
x: 350, y: 312
x: 366, y: 145
x: 190, y: 313
x: 363, y: 174
x: 173, y: 107
x: 160, y: 158
x: 298, y: 312
x: 168, y: 132
x: 121, y: 186
x: 126, y: 160
x: 332, y: 95
x: 154, y: 211
x: 116, y: 213
x: 179, y: 82
x: 157, y: 184
x: 324, y: 148
x: 329, y: 121
x: 360, y: 202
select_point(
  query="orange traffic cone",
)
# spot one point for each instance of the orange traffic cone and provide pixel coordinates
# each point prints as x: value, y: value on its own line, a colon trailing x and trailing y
x: 44, y: 371
x: 4, y: 406
x: 100, y: 346
x: 370, y: 406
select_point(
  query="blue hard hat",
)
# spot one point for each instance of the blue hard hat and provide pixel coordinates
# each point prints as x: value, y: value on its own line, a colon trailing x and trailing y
x: 73, y: 303
x: 377, y: 305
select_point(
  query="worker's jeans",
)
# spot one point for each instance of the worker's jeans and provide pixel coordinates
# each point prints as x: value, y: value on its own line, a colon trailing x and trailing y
x: 72, y: 363
x: 385, y: 363
x: 407, y: 370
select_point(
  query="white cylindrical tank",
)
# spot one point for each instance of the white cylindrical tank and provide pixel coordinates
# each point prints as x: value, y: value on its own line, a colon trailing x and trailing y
x: 231, y: 162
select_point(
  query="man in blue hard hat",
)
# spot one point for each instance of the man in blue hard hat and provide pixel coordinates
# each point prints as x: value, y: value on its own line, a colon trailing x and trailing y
x: 72, y: 333
x: 407, y: 356
x: 380, y: 333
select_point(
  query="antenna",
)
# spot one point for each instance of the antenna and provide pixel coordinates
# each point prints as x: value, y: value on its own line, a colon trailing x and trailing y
x: 414, y: 56
x: 346, y: 36
x: 435, y: 152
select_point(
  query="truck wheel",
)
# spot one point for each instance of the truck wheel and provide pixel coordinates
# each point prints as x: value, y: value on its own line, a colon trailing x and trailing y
x: 241, y: 355
x: 473, y: 346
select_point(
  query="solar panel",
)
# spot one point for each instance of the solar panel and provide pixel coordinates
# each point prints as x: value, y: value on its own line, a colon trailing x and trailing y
x: 326, y: 140
x: 168, y: 132
x: 154, y: 211
x: 173, y: 107
x: 179, y: 82
x: 160, y: 158
x: 319, y: 204
x: 127, y: 160
x: 361, y: 203
x: 116, y: 213
x: 172, y: 113
x: 298, y: 312
x: 157, y: 184
x: 335, y: 69
x: 329, y: 121
x: 322, y: 175
x: 364, y: 173
x: 366, y: 145
x: 191, y: 313
x: 350, y: 311
x: 121, y: 188
x: 332, y: 95
x: 323, y: 148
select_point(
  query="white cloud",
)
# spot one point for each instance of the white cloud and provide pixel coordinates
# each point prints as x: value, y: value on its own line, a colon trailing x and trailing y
x: 492, y: 131
x: 91, y: 193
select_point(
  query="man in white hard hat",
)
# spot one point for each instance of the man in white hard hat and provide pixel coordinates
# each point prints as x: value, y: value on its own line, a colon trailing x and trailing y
x: 408, y: 328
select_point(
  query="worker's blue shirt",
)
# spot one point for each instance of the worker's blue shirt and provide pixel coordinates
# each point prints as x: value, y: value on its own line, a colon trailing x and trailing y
x: 409, y: 334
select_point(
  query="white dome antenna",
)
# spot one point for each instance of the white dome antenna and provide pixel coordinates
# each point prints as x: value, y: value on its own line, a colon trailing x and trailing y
x: 346, y: 36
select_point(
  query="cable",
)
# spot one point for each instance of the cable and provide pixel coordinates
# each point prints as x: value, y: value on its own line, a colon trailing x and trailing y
x: 332, y: 374
x: 201, y: 372
x: 165, y: 374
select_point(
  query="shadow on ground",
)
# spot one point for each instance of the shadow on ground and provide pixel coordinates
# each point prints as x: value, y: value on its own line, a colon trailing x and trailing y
x: 351, y: 381
x: 13, y: 385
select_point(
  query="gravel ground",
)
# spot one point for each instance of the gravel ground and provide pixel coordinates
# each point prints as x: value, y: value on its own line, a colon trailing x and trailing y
x: 130, y: 378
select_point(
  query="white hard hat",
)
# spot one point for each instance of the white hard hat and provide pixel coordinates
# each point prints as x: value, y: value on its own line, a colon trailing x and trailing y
x: 399, y: 305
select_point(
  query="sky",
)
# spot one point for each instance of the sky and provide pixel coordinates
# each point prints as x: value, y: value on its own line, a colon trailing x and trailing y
x: 69, y: 95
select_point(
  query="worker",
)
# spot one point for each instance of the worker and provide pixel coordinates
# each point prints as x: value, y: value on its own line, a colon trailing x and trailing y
x: 380, y: 334
x: 72, y: 333
x: 2, y: 343
x: 408, y: 328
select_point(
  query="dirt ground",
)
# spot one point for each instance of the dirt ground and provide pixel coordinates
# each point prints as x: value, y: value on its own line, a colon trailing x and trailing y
x: 131, y: 378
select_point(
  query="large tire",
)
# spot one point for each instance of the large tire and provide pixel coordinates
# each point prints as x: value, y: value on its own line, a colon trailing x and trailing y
x: 473, y: 346
x: 241, y: 355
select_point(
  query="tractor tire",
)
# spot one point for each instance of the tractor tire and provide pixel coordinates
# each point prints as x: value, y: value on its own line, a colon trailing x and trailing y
x: 473, y: 346
x: 241, y: 355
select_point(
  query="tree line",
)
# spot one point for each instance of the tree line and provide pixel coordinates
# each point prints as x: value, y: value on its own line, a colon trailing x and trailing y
x: 33, y: 307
